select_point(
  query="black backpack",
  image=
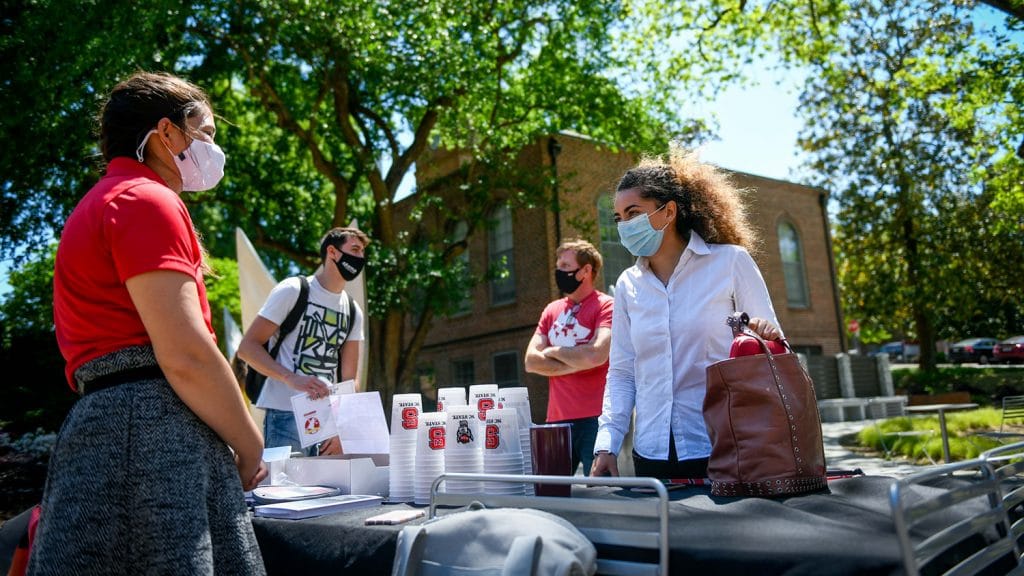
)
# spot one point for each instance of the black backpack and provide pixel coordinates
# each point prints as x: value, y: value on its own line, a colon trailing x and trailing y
x: 254, y: 379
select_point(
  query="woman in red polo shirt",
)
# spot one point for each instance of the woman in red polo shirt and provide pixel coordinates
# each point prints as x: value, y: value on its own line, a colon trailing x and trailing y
x: 142, y: 479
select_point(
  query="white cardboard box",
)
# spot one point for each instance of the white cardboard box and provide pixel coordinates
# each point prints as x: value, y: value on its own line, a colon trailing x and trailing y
x: 352, y: 473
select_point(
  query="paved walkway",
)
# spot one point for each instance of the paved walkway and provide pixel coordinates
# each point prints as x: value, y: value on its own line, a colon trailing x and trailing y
x: 837, y: 456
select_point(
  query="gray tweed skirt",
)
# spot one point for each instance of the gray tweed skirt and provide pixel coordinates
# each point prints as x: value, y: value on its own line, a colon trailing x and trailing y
x: 137, y: 484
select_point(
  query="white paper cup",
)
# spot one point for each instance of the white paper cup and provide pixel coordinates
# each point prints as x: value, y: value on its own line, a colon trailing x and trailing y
x: 463, y: 432
x: 483, y: 397
x: 501, y: 435
x: 447, y: 397
x: 405, y: 414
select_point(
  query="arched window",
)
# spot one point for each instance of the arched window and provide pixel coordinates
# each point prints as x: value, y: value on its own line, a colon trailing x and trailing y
x: 499, y: 248
x: 793, y: 266
x: 616, y: 258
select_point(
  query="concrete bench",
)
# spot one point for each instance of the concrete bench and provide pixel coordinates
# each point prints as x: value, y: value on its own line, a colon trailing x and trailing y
x: 886, y: 406
x: 842, y: 409
x: 852, y: 409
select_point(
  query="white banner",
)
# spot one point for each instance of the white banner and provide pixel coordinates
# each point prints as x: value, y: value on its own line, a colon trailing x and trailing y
x: 254, y: 280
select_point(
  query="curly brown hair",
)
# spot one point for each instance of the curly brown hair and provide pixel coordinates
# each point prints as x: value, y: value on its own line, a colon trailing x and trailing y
x: 705, y: 197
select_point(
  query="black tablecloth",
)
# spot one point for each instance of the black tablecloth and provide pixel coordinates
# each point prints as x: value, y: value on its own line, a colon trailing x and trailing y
x: 844, y: 531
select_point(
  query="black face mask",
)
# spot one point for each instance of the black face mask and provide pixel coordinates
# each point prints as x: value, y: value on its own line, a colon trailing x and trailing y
x: 349, y: 266
x: 566, y: 280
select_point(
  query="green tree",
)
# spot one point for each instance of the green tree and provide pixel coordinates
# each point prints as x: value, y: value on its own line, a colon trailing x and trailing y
x: 911, y: 126
x: 40, y: 398
x: 325, y: 108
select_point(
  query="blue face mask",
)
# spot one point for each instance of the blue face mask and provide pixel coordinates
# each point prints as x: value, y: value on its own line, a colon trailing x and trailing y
x: 639, y: 237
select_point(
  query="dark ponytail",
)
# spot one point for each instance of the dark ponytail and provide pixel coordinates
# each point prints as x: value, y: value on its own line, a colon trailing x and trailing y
x: 136, y: 105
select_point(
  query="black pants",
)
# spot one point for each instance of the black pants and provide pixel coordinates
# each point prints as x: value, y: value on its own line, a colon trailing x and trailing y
x: 671, y: 468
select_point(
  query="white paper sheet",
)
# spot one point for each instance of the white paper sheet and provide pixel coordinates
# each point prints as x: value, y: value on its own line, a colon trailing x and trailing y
x: 361, y: 424
x: 314, y: 419
x: 345, y: 387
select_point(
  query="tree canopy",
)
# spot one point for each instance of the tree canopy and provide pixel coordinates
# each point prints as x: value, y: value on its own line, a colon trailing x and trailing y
x: 913, y: 126
x: 324, y: 110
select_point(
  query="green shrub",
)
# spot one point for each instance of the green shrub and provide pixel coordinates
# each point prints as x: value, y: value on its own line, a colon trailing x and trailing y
x: 985, y: 385
x: 960, y: 425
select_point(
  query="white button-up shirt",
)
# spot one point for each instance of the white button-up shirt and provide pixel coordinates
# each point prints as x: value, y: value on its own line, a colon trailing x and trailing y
x: 664, y: 338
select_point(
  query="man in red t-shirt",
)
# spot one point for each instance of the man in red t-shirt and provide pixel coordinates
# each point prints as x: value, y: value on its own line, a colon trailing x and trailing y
x: 571, y: 347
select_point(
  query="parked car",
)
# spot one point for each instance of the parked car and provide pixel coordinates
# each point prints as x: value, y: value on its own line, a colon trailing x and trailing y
x: 894, y: 350
x: 972, y: 350
x: 899, y: 351
x: 1009, y: 350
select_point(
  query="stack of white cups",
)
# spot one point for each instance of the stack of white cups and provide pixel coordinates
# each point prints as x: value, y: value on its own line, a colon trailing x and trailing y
x: 483, y: 397
x: 464, y: 450
x: 455, y: 396
x: 430, y: 444
x: 406, y: 410
x: 518, y: 398
x: 502, y: 452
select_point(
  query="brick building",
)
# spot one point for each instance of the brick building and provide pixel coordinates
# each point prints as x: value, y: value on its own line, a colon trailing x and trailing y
x: 486, y: 342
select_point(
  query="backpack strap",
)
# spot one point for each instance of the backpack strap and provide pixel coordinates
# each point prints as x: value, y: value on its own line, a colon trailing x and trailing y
x: 294, y: 315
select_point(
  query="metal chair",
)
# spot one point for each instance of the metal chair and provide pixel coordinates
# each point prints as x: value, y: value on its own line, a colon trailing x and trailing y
x: 935, y: 541
x: 1008, y: 465
x: 1013, y: 409
x: 648, y: 532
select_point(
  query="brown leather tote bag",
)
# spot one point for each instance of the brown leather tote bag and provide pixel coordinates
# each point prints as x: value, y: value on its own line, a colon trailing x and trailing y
x: 762, y: 418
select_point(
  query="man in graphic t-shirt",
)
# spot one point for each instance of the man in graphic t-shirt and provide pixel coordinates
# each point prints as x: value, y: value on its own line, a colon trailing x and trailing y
x: 329, y: 335
x: 571, y: 346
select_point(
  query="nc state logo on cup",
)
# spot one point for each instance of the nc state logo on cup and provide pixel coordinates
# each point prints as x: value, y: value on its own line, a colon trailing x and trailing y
x: 410, y: 418
x: 483, y: 405
x: 493, y: 437
x: 435, y: 438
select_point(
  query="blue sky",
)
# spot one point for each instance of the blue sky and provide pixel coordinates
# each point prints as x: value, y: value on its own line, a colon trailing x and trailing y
x: 757, y: 127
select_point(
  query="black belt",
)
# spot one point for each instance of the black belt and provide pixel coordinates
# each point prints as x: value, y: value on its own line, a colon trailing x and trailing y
x: 115, y: 378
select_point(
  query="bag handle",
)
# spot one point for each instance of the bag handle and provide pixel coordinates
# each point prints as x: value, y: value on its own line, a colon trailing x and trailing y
x: 740, y: 324
x: 412, y: 540
x: 522, y: 556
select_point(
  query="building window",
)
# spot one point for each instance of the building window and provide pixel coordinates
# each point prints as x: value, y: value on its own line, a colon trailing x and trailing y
x: 793, y: 266
x: 463, y: 373
x: 506, y: 369
x: 499, y: 246
x: 465, y: 305
x: 616, y: 258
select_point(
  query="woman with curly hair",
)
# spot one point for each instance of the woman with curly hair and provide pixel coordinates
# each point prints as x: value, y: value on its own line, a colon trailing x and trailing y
x: 684, y: 221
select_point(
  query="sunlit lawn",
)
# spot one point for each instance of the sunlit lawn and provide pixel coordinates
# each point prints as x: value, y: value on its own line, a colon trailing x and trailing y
x: 963, y: 444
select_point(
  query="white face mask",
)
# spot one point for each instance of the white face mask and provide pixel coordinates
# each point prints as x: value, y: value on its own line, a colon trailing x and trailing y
x: 201, y: 165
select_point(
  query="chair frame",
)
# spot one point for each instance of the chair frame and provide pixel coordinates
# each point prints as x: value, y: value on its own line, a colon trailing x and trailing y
x: 655, y: 508
x: 910, y: 509
x: 1013, y: 408
x: 1007, y: 462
